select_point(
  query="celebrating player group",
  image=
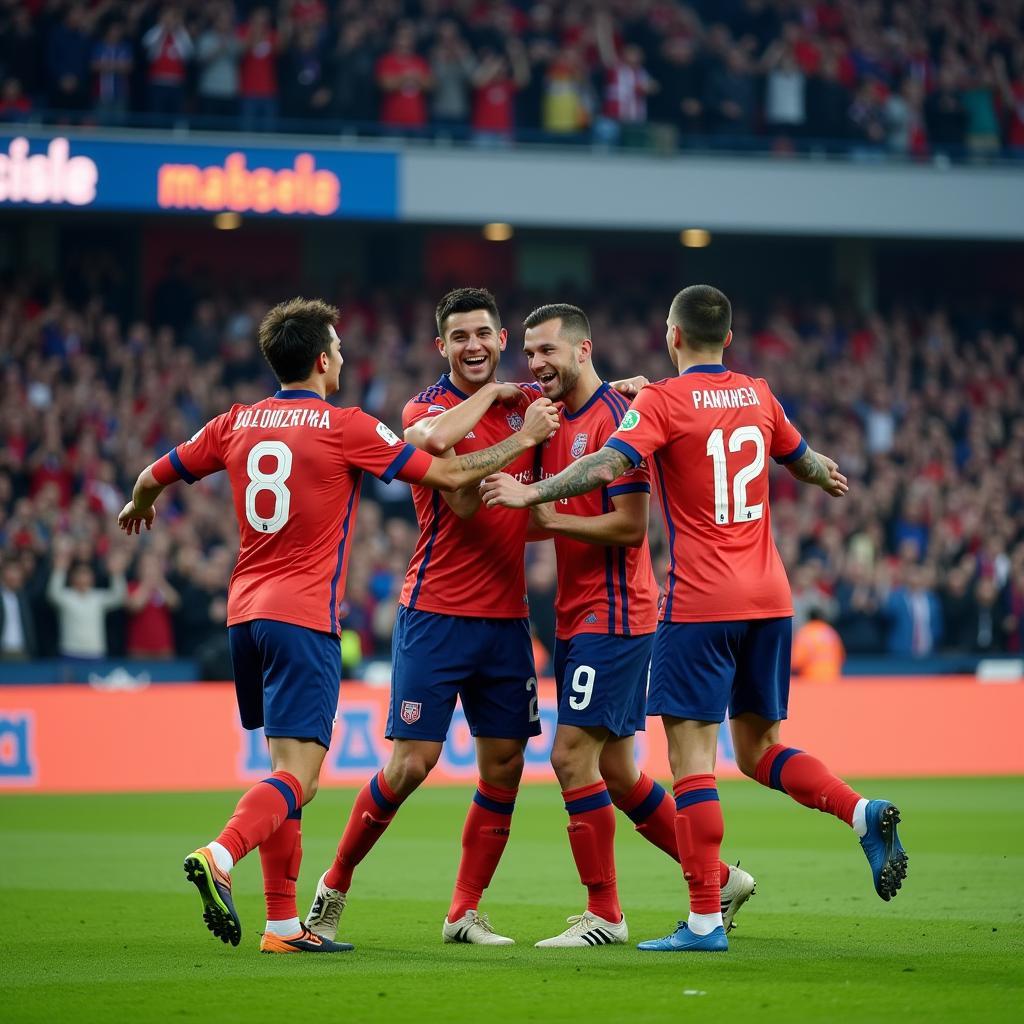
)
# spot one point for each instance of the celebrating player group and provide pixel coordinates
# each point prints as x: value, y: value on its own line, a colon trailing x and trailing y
x: 494, y: 466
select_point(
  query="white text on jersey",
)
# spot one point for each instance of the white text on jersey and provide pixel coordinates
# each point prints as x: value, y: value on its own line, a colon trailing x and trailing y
x: 726, y: 398
x: 283, y: 418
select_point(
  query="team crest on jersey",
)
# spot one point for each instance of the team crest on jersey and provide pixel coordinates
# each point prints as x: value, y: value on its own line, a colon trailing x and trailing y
x: 515, y: 421
x: 411, y: 711
x: 579, y: 445
x: 630, y: 420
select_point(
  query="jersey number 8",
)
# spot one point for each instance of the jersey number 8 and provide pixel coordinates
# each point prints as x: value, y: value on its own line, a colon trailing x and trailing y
x: 274, y: 482
x: 742, y: 512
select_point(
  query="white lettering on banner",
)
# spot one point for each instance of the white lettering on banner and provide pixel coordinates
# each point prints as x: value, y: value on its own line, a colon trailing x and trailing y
x: 50, y: 177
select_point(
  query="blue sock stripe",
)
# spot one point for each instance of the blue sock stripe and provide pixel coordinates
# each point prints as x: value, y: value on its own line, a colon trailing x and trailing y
x: 589, y: 803
x: 497, y: 806
x: 296, y: 815
x: 695, y: 796
x: 379, y: 798
x: 647, y: 806
x: 775, y: 780
x: 286, y: 791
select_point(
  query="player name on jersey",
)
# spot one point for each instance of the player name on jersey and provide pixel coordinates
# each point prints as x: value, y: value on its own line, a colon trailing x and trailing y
x: 273, y: 418
x: 725, y: 398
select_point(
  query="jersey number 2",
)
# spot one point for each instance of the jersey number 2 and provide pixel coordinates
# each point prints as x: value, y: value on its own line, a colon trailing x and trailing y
x: 741, y: 512
x: 274, y: 482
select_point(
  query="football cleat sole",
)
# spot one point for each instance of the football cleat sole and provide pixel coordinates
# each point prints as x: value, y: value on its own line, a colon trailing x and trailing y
x: 218, y: 907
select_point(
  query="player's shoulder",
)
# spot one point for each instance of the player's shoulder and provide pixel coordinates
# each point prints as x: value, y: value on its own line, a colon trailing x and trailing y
x: 438, y: 394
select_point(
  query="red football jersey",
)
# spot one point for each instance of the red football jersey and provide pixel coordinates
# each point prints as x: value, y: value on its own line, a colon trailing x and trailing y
x: 708, y: 432
x: 295, y: 465
x: 601, y: 589
x: 472, y: 567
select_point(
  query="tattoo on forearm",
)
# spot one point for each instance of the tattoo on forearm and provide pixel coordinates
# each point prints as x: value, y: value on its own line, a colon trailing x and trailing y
x: 490, y: 460
x: 584, y: 475
x: 810, y: 469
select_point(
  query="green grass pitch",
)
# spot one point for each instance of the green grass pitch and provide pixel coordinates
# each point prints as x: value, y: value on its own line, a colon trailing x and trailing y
x: 100, y: 925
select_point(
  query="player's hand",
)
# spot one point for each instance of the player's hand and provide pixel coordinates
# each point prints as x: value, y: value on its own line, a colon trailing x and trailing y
x: 837, y: 484
x: 541, y: 420
x: 505, y: 393
x: 631, y: 386
x: 502, y: 489
x: 131, y: 519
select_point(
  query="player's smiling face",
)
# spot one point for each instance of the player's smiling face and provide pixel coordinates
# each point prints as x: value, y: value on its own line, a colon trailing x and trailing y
x: 553, y: 359
x: 472, y: 344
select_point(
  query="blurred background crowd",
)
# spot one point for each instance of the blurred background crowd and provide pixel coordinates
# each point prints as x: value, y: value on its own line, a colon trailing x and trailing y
x: 923, y: 409
x: 918, y: 78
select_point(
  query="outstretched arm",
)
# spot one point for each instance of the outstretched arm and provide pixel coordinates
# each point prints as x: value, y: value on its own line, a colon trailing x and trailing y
x: 820, y: 470
x: 140, y: 509
x: 436, y: 434
x: 583, y: 475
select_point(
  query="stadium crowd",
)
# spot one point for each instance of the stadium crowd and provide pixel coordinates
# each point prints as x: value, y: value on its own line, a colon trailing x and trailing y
x: 924, y: 412
x: 909, y: 77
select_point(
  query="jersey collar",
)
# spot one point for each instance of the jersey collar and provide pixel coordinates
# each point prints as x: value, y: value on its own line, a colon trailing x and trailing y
x: 595, y: 397
x: 296, y: 393
x: 707, y: 368
x: 446, y: 383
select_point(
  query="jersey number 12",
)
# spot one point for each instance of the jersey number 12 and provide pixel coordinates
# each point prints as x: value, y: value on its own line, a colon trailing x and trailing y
x: 741, y: 512
x: 274, y: 482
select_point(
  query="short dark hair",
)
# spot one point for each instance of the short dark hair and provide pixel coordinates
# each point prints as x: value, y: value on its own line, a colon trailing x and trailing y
x: 704, y: 315
x: 466, y: 300
x: 293, y: 334
x: 575, y: 325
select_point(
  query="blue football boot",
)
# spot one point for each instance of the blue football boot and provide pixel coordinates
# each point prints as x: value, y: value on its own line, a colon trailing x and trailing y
x: 883, y: 848
x: 682, y: 940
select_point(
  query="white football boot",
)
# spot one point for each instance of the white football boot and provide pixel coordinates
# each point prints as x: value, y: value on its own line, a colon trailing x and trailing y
x: 325, y: 913
x: 740, y: 887
x: 588, y: 929
x: 475, y: 929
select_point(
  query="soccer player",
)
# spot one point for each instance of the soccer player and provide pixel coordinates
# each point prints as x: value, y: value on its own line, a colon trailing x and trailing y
x: 606, y: 614
x: 462, y: 628
x: 295, y: 465
x: 726, y: 621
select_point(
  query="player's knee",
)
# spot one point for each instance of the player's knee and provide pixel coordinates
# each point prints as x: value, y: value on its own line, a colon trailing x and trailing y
x: 747, y: 759
x: 310, y: 786
x: 619, y: 781
x: 504, y: 769
x: 409, y: 769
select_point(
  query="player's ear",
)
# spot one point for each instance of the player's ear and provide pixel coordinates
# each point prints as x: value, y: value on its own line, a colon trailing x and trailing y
x: 586, y: 346
x: 502, y: 339
x: 440, y: 345
x: 728, y: 340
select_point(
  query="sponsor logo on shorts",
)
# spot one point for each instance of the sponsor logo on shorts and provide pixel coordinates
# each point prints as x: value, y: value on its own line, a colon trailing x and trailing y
x: 591, y: 619
x: 630, y: 420
x: 515, y: 421
x: 411, y: 711
x: 579, y: 445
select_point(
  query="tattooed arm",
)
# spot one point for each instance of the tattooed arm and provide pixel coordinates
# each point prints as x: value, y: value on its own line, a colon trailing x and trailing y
x: 820, y: 470
x: 583, y: 475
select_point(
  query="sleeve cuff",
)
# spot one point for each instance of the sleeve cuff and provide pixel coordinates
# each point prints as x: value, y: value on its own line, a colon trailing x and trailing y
x: 795, y: 454
x: 179, y: 467
x: 397, y: 463
x: 625, y: 449
x: 629, y: 489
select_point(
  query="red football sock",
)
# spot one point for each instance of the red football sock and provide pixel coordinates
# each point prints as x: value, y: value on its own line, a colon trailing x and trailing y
x: 807, y: 781
x: 280, y: 856
x: 484, y: 837
x: 592, y: 840
x: 699, y: 831
x: 653, y: 811
x: 260, y: 813
x: 372, y: 812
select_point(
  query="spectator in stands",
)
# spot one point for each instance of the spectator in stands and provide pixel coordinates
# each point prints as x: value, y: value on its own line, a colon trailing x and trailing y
x: 818, y: 653
x: 828, y: 103
x: 112, y: 64
x: 1010, y: 83
x: 680, y: 77
x: 946, y: 115
x: 17, y: 621
x: 404, y: 79
x: 258, y: 72
x: 150, y: 603
x: 904, y: 120
x: 627, y: 87
x: 914, y: 614
x: 306, y: 75
x: 452, y: 66
x: 14, y: 104
x: 867, y: 128
x: 809, y: 596
x: 69, y: 50
x: 496, y: 81
x: 20, y: 47
x: 568, y: 100
x: 982, y: 136
x: 82, y: 607
x: 730, y: 97
x: 168, y: 48
x: 858, y: 613
x: 218, y: 51
x: 355, y: 81
x: 785, y: 91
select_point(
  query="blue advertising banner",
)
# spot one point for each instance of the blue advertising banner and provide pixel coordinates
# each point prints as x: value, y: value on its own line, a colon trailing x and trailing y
x: 195, y: 177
